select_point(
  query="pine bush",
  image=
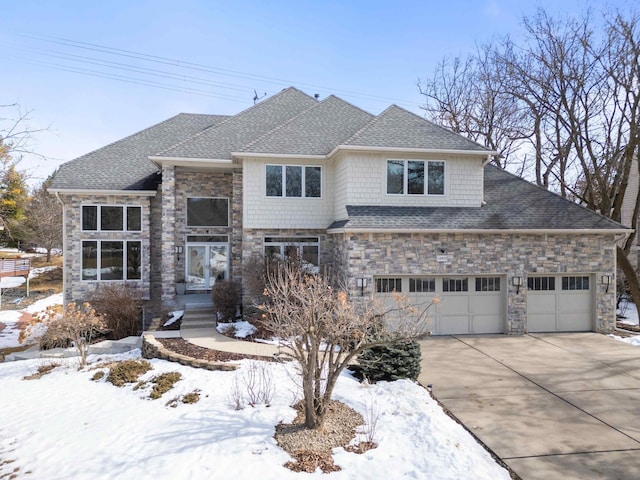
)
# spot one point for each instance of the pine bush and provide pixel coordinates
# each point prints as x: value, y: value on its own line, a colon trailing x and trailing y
x: 390, y: 362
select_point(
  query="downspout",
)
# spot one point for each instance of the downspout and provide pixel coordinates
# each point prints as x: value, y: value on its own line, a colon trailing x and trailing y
x: 64, y: 248
x: 484, y: 164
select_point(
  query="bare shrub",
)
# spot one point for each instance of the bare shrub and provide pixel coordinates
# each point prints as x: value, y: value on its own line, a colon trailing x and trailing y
x: 226, y: 298
x: 235, y: 397
x: 76, y: 324
x: 258, y: 383
x: 121, y: 307
x: 127, y: 372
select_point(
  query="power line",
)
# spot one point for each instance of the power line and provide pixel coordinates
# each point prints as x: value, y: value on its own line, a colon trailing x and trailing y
x: 197, y: 67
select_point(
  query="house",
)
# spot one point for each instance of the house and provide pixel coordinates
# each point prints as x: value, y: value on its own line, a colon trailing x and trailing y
x: 391, y: 201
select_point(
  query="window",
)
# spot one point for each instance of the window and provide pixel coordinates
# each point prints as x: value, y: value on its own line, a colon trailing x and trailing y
x: 386, y: 285
x: 455, y: 284
x: 295, y: 181
x: 487, y: 284
x: 207, y: 212
x: 575, y: 283
x: 111, y: 218
x: 408, y: 176
x: 422, y: 285
x: 541, y: 283
x: 305, y: 248
x: 111, y: 260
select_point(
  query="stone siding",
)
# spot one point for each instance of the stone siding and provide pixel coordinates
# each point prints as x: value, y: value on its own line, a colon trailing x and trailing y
x: 364, y: 255
x: 76, y: 289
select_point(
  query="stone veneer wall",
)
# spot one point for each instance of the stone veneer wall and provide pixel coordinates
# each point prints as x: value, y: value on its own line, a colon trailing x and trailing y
x: 365, y: 255
x: 75, y: 289
x: 167, y: 236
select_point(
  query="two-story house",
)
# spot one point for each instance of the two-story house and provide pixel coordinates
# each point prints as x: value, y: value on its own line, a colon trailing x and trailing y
x: 391, y: 201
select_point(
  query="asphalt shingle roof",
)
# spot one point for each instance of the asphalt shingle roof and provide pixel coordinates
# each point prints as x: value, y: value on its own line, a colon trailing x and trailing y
x: 511, y: 203
x: 124, y: 164
x: 399, y: 128
x: 315, y: 131
x: 239, y: 130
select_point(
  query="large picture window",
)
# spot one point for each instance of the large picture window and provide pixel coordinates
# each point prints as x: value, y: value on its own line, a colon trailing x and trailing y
x: 207, y: 212
x: 111, y: 218
x: 296, y: 181
x: 307, y: 249
x: 111, y: 260
x: 409, y: 177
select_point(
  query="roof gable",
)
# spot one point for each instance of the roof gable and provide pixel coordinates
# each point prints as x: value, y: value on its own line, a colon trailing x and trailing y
x: 124, y: 164
x: 233, y: 134
x: 399, y: 128
x: 315, y: 131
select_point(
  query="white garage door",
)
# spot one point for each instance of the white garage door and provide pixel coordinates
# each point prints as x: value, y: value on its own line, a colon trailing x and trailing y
x: 559, y: 303
x: 465, y: 304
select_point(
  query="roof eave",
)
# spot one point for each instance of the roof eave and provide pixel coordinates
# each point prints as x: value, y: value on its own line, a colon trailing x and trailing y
x: 437, y: 151
x: 529, y: 231
x: 89, y: 191
x: 277, y: 155
x: 159, y: 161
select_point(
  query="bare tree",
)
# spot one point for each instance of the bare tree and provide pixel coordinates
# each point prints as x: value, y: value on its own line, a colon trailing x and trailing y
x: 574, y: 85
x: 43, y: 220
x: 323, y: 331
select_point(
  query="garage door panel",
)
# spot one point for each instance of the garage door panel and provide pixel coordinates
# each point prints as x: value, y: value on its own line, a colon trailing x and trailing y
x: 453, y: 305
x: 561, y: 310
x: 486, y: 304
x: 453, y: 325
x: 488, y: 324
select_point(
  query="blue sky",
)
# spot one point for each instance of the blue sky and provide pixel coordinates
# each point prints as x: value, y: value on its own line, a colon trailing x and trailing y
x: 368, y: 52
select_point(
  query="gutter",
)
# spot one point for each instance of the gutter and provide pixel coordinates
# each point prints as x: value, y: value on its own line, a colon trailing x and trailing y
x: 506, y: 231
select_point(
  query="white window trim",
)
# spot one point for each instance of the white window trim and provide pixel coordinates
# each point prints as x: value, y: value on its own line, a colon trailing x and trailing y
x: 284, y: 180
x: 405, y: 186
x: 186, y: 213
x: 99, y: 260
x: 99, y: 217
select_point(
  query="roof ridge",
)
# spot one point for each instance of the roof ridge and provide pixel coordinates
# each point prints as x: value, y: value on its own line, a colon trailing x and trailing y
x: 281, y: 126
x: 155, y: 125
x: 375, y: 119
x: 445, y: 129
x: 231, y: 117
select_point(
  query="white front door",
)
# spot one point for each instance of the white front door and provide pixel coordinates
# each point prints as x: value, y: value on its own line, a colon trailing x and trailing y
x: 206, y: 264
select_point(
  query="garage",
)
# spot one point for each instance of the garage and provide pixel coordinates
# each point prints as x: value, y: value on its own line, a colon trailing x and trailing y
x: 465, y: 305
x: 559, y: 303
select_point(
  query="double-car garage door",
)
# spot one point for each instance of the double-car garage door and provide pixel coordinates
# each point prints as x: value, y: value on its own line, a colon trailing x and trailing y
x: 477, y: 304
x: 464, y: 304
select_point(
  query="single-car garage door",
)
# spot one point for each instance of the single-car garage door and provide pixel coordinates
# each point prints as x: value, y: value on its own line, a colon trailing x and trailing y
x: 465, y: 305
x: 559, y: 303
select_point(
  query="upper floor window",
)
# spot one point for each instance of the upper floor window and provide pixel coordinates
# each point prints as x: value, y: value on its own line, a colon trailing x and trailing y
x: 207, y: 212
x: 111, y: 218
x: 293, y: 181
x: 412, y: 177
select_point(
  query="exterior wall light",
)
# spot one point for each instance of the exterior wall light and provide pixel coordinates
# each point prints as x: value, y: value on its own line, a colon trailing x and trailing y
x: 606, y: 280
x: 361, y: 283
x: 179, y: 250
x: 517, y: 282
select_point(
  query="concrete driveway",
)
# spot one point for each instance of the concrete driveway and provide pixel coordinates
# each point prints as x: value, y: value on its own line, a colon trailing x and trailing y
x: 552, y: 406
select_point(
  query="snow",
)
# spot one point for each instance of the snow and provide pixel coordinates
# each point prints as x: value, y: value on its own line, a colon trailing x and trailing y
x: 242, y: 328
x: 34, y: 272
x: 65, y: 426
x: 10, y: 318
x: 628, y: 313
x: 174, y: 317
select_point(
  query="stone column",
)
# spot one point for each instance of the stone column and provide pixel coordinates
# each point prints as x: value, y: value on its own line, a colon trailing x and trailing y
x: 236, y: 227
x: 168, y: 255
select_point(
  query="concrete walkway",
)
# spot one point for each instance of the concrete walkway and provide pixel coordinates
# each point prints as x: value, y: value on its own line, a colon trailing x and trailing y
x: 552, y: 406
x: 199, y: 327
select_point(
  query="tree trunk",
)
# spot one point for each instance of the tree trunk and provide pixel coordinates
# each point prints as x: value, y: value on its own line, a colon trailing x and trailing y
x: 630, y: 274
x: 48, y: 255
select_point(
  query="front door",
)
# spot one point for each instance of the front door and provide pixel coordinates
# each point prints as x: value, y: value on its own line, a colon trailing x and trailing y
x: 206, y: 264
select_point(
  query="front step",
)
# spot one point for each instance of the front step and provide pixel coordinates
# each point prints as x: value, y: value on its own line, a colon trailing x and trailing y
x: 199, y: 318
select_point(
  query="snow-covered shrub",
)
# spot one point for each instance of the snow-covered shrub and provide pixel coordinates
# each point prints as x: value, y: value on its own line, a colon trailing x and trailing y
x: 226, y: 298
x: 390, y: 362
x: 121, y: 308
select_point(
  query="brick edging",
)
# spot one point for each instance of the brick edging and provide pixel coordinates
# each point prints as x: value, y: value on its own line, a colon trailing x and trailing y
x: 152, y: 348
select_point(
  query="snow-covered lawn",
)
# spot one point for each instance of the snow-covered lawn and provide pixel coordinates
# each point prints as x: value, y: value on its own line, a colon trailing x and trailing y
x: 66, y: 426
x: 12, y: 320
